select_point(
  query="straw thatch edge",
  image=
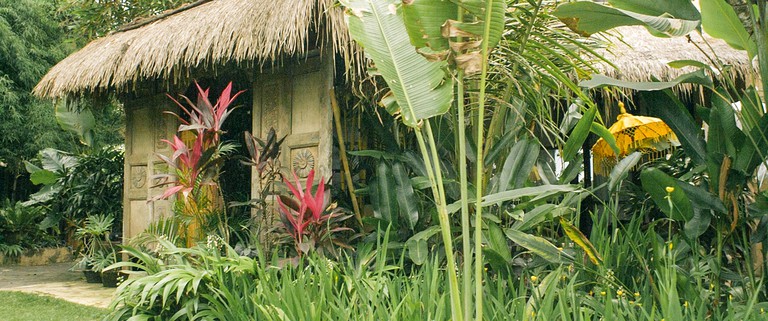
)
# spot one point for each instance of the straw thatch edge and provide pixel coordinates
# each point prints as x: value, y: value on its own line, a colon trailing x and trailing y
x: 246, y: 32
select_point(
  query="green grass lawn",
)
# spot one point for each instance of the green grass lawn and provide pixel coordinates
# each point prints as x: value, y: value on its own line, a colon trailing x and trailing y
x: 18, y: 306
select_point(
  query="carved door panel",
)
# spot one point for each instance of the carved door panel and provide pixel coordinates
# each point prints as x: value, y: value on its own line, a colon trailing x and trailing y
x: 294, y: 100
x: 146, y: 125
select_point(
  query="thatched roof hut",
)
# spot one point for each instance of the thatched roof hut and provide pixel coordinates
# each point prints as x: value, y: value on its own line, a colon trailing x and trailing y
x: 283, y: 52
x: 203, y: 35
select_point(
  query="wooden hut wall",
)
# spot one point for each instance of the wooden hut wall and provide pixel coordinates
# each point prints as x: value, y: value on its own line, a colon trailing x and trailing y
x: 146, y: 125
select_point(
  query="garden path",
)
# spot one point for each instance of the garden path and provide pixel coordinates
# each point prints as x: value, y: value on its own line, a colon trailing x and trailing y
x: 55, y: 280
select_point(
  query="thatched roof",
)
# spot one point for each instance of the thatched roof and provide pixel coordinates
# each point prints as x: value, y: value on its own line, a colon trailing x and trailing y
x: 640, y: 55
x: 256, y: 32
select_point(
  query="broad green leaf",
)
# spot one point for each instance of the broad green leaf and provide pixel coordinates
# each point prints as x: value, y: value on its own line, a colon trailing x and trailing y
x: 423, y: 19
x: 497, y: 242
x: 383, y: 194
x: 56, y: 161
x: 687, y: 63
x: 579, y: 134
x: 80, y: 122
x: 31, y: 168
x: 417, y: 251
x: 587, y: 18
x: 572, y: 171
x: 620, y: 171
x: 681, y: 9
x: 499, y: 147
x: 606, y: 135
x: 582, y: 241
x: 417, y: 244
x: 675, y: 204
x: 44, y: 177
x: 751, y: 109
x: 538, y: 246
x: 720, y: 21
x: 420, y: 182
x: 703, y: 203
x: 519, y: 164
x: 374, y: 154
x: 528, y: 192
x: 750, y: 155
x: 405, y: 196
x: 540, y: 214
x: 724, y: 135
x: 698, y: 77
x: 666, y: 105
x: 422, y: 89
x: 698, y: 224
x: 480, y: 9
x: 515, y: 194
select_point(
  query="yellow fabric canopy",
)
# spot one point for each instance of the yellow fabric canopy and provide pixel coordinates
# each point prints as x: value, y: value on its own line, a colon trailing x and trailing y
x: 649, y: 135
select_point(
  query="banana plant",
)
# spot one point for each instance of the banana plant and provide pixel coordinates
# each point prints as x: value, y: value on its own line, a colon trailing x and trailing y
x: 420, y: 41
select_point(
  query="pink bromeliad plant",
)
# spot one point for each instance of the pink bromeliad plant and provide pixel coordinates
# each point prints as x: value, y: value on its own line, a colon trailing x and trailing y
x: 196, y: 160
x: 307, y: 217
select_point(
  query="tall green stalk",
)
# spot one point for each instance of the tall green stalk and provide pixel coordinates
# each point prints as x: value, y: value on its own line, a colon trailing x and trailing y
x: 466, y: 246
x: 435, y: 178
x: 479, y: 170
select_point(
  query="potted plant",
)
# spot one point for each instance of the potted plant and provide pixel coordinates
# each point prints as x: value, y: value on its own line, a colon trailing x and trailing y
x: 97, y: 250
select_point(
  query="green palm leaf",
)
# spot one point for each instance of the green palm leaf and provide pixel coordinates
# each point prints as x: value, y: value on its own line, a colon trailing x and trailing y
x: 422, y: 89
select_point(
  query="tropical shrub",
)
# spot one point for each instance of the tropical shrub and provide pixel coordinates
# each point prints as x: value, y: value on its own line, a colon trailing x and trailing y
x: 75, y: 187
x: 20, y: 229
x: 97, y: 250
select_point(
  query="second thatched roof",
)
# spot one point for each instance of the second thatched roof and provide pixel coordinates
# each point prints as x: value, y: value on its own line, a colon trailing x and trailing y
x: 639, y: 56
x: 202, y: 35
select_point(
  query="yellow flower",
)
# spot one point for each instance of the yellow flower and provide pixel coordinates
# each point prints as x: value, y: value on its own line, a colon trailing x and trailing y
x: 619, y: 292
x: 534, y: 278
x: 671, y: 246
x: 637, y: 294
x: 670, y: 189
x: 533, y: 314
x: 631, y: 302
x: 685, y: 304
x: 602, y: 293
x: 762, y: 311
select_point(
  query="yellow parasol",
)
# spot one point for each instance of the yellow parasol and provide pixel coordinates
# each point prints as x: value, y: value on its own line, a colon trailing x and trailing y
x: 648, y: 135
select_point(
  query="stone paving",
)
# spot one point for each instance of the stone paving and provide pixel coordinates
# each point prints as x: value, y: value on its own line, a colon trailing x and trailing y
x: 55, y: 280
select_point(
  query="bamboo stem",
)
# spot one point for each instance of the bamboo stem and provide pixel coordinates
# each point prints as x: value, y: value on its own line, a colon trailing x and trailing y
x: 344, y: 160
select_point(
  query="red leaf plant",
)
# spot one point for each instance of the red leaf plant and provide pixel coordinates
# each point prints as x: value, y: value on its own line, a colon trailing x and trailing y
x: 308, y: 219
x: 195, y: 163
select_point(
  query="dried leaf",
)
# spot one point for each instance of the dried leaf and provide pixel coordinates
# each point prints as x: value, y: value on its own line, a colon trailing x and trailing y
x: 470, y: 62
x: 465, y: 45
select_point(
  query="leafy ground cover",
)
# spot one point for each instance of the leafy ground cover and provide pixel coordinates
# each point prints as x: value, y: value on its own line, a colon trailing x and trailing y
x: 19, y: 306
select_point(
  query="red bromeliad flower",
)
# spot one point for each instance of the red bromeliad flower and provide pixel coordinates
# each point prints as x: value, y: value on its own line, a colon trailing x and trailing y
x: 194, y: 165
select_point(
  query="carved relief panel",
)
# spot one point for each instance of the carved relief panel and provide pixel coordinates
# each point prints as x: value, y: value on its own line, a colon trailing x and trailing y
x: 146, y: 126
